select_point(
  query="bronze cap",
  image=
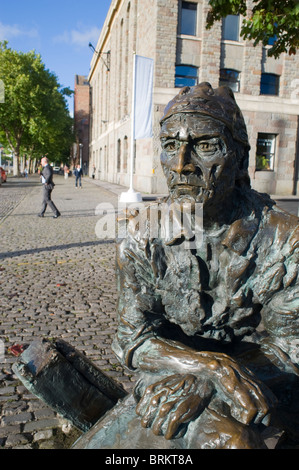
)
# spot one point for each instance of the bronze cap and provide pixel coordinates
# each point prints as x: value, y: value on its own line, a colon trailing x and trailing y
x: 218, y: 103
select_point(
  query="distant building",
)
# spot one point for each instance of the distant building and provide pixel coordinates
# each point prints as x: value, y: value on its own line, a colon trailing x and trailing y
x: 173, y: 33
x: 81, y: 121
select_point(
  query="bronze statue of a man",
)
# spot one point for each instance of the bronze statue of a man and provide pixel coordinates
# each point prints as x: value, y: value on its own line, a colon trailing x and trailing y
x: 212, y: 330
x: 210, y: 326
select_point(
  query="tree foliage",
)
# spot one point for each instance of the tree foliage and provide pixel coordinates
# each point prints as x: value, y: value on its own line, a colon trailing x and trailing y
x: 34, y: 118
x: 270, y: 21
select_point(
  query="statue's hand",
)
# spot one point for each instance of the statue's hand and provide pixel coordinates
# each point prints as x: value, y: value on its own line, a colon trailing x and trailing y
x: 166, y: 406
x: 172, y: 402
x: 250, y: 401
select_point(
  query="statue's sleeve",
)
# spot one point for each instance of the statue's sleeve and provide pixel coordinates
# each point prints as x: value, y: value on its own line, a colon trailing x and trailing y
x: 279, y: 286
x: 139, y: 307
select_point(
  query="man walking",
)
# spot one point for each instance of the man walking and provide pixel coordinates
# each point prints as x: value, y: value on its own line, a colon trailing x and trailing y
x: 48, y: 186
x: 78, y: 174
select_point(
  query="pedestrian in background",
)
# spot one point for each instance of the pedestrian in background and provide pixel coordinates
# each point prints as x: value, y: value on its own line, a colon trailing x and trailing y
x: 78, y: 174
x: 48, y: 186
x: 66, y: 172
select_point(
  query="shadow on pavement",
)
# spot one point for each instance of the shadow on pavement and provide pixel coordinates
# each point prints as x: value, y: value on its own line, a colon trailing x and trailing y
x: 14, y: 254
x: 68, y: 214
x: 24, y: 184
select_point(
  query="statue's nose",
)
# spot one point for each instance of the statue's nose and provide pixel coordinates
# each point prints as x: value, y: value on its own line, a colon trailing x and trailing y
x: 182, y: 163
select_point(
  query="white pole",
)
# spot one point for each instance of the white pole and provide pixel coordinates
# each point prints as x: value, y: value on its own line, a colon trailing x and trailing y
x: 131, y: 195
x: 133, y: 123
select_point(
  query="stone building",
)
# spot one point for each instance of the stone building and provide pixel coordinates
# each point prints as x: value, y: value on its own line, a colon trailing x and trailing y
x: 173, y: 33
x: 81, y: 122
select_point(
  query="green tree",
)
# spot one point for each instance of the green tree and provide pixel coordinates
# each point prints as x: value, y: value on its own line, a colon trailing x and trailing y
x: 273, y: 21
x: 34, y: 118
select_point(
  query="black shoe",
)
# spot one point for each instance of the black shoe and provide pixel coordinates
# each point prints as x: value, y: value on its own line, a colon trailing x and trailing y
x: 57, y: 215
x: 40, y: 215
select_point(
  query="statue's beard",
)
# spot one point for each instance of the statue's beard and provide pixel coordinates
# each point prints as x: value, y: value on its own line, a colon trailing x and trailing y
x: 193, y: 194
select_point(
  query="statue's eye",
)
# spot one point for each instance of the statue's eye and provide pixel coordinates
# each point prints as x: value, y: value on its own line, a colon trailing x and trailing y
x: 207, y: 147
x: 169, y: 146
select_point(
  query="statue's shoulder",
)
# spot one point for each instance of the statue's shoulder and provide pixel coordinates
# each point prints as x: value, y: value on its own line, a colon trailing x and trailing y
x: 138, y: 221
x: 136, y: 226
x: 282, y: 226
x: 267, y: 225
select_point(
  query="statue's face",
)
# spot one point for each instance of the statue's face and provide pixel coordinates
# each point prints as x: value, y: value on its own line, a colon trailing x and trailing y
x: 196, y: 158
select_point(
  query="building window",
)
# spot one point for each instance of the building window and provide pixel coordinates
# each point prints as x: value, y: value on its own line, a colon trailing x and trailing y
x: 118, y: 155
x: 230, y: 28
x: 269, y: 84
x: 185, y: 75
x: 265, y: 152
x: 230, y: 78
x: 188, y: 23
x: 106, y: 159
x: 272, y: 40
x: 100, y: 167
x: 125, y: 163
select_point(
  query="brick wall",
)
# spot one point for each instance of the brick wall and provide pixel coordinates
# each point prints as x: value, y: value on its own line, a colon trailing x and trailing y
x: 81, y: 115
x: 166, y: 41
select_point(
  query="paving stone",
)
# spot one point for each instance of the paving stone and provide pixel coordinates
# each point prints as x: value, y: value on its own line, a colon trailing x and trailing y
x: 44, y: 413
x: 42, y: 435
x: 7, y: 390
x: 9, y: 430
x: 11, y: 407
x: 19, y: 418
x: 41, y: 424
x: 15, y: 440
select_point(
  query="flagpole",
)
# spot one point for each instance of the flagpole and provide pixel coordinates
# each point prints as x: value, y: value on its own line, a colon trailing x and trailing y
x: 131, y: 195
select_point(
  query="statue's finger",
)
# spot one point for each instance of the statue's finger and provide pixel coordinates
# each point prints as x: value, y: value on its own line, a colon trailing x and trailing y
x: 162, y: 417
x: 148, y: 408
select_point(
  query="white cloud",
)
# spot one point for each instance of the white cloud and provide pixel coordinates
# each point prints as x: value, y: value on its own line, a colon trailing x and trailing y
x: 12, y: 31
x: 79, y: 38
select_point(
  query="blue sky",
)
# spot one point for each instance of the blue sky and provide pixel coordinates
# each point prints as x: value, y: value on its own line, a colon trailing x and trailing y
x: 59, y: 30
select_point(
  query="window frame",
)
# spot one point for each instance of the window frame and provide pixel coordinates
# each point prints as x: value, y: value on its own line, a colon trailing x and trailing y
x: 263, y: 85
x: 267, y: 158
x: 187, y: 77
x: 118, y: 155
x: 195, y: 20
x: 236, y: 38
x: 226, y: 82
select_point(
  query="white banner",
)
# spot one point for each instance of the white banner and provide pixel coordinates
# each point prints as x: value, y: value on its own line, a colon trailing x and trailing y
x: 144, y: 76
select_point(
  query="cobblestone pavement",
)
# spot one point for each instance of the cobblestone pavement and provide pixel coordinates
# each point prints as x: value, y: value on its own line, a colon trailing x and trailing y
x: 57, y: 280
x: 12, y: 193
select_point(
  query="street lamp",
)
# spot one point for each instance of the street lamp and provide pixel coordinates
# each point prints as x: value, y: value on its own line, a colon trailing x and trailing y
x: 107, y: 64
x: 81, y: 148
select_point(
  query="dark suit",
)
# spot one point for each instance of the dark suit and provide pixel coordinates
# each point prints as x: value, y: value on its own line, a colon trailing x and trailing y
x: 78, y: 174
x: 48, y: 187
